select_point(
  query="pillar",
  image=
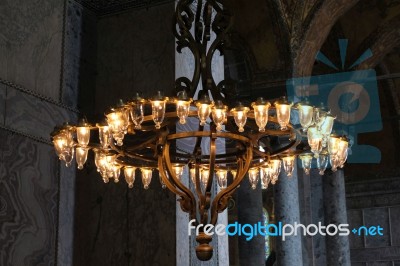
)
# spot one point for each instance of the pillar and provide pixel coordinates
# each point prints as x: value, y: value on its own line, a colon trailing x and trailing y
x: 337, y: 247
x: 250, y: 211
x: 287, y: 211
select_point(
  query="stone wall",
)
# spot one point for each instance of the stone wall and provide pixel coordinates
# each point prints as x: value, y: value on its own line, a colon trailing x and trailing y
x: 375, y: 203
x: 36, y: 197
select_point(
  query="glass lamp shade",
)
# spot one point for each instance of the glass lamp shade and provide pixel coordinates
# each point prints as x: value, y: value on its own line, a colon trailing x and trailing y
x: 158, y: 112
x: 322, y: 162
x: 327, y: 125
x: 83, y: 133
x: 261, y: 108
x: 219, y: 114
x: 178, y: 169
x: 146, y: 177
x: 283, y: 113
x: 306, y: 160
x: 288, y: 164
x: 305, y: 115
x: 182, y: 106
x: 333, y: 159
x: 192, y: 174
x: 222, y: 178
x: 116, y: 122
x: 137, y: 114
x: 81, y: 156
x: 182, y: 110
x: 333, y: 145
x: 205, y: 175
x: 319, y: 116
x: 116, y: 170
x: 254, y: 175
x: 265, y: 180
x: 266, y: 176
x: 276, y: 165
x: 129, y: 173
x: 64, y: 146
x: 240, y: 116
x: 204, y: 108
x: 342, y: 152
x: 104, y: 135
x: 314, y: 137
x: 233, y: 173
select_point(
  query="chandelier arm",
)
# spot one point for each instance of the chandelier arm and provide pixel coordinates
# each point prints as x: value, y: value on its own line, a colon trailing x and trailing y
x: 189, y: 199
x: 220, y: 201
x: 186, y: 39
x: 185, y: 200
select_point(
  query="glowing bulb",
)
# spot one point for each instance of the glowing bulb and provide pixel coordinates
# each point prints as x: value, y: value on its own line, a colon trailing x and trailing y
x: 322, y: 161
x: 283, y: 113
x: 81, y: 156
x: 342, y: 152
x: 204, y: 109
x: 288, y: 164
x: 305, y: 115
x: 240, y: 116
x: 116, y: 122
x: 222, y: 178
x: 253, y: 177
x: 158, y: 104
x: 333, y: 145
x: 219, y: 114
x: 137, y: 114
x: 314, y: 137
x: 64, y: 145
x: 104, y: 135
x: 146, y: 177
x: 205, y: 175
x: 306, y: 160
x: 116, y: 169
x: 83, y: 133
x: 129, y: 173
x: 178, y: 169
x: 261, y: 108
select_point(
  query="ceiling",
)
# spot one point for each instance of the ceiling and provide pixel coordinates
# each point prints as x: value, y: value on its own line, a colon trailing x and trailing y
x: 106, y: 7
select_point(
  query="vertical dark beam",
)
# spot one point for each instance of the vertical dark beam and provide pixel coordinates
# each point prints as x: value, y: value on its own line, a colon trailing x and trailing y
x: 250, y: 211
x: 337, y: 247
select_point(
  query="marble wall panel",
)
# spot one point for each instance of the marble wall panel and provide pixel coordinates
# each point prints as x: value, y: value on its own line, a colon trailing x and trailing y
x: 28, y: 197
x: 31, y: 44
x: 395, y: 225
x: 135, y: 53
x: 374, y: 217
x: 30, y: 115
x: 2, y: 102
x: 355, y: 219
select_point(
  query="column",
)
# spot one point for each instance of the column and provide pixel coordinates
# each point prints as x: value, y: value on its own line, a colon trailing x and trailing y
x: 286, y: 194
x: 249, y: 205
x: 337, y: 247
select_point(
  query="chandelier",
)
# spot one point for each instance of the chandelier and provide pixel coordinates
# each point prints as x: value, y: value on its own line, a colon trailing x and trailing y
x: 138, y: 136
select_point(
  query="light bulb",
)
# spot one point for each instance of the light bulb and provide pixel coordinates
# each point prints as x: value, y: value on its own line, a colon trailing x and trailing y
x: 322, y: 162
x: 178, y: 169
x: 158, y: 104
x: 253, y: 177
x: 283, y: 113
x: 205, y: 175
x: 342, y: 152
x: 333, y: 145
x: 137, y: 111
x: 204, y: 108
x: 116, y: 123
x: 305, y: 115
x: 146, y: 177
x: 116, y: 169
x: 64, y: 144
x: 240, y: 116
x: 219, y: 114
x: 83, y: 133
x: 129, y: 173
x: 81, y: 156
x: 306, y: 160
x: 261, y: 108
x: 104, y: 135
x: 314, y: 137
x: 182, y: 106
x: 192, y: 174
x: 288, y: 164
x: 222, y: 178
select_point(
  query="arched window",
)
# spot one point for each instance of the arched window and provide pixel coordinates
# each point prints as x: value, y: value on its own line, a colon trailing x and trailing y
x: 266, y: 221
